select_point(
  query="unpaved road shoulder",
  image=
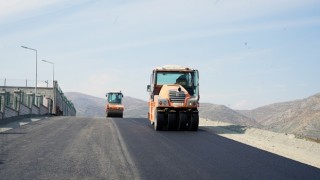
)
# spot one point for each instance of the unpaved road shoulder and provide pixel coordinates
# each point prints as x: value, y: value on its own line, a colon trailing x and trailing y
x: 286, y: 145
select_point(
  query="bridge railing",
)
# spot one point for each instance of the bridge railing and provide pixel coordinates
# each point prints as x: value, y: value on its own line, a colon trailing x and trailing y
x: 21, y: 100
x: 25, y: 83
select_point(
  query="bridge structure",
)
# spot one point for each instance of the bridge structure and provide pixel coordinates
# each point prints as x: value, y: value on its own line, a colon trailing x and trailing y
x: 18, y: 101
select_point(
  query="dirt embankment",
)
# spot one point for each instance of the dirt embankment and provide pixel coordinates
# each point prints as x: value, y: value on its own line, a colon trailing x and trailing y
x: 286, y: 145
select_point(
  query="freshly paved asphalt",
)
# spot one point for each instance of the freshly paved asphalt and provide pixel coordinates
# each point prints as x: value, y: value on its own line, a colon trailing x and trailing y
x: 129, y: 148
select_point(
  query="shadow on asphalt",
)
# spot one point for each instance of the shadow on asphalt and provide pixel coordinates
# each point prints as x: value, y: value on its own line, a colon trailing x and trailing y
x: 229, y: 129
x: 11, y: 133
x: 18, y: 123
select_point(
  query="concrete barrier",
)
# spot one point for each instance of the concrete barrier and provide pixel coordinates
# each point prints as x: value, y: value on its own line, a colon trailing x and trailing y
x: 9, y: 112
x: 24, y: 109
x: 43, y: 110
x: 35, y: 109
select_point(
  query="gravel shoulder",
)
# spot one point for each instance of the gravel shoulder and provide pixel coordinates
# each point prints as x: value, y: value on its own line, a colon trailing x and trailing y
x: 286, y: 145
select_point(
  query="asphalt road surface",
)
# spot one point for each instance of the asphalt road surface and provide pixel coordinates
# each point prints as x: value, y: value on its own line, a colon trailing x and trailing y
x: 116, y: 148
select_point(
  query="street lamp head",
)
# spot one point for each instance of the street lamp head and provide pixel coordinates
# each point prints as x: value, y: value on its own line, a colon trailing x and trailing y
x: 36, y: 69
x: 52, y: 70
x: 29, y: 48
x: 47, y: 61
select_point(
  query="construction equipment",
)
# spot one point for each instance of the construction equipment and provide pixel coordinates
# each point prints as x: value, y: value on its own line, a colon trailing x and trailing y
x: 174, y: 98
x: 114, y: 106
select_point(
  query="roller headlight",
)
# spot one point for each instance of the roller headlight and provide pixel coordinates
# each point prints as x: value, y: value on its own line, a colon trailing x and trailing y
x: 163, y: 102
x: 192, y: 102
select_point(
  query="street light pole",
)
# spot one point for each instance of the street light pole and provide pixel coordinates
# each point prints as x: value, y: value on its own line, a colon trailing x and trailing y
x: 52, y: 69
x: 36, y: 69
x: 53, y: 109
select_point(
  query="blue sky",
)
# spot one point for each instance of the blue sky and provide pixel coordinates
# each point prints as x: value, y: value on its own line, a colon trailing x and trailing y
x: 249, y: 53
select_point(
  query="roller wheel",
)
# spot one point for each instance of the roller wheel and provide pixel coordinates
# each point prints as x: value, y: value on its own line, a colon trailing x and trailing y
x: 194, y: 122
x: 171, y: 121
x: 158, y: 122
x: 182, y: 123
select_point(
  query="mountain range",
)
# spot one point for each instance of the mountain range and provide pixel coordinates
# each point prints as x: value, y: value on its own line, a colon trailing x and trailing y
x: 299, y: 117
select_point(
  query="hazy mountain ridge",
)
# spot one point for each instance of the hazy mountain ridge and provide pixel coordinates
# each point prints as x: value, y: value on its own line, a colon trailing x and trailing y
x: 135, y: 107
x: 91, y: 106
x: 86, y: 105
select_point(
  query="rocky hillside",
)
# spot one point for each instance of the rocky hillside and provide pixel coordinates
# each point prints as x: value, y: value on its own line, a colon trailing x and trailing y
x: 300, y: 117
x: 224, y: 114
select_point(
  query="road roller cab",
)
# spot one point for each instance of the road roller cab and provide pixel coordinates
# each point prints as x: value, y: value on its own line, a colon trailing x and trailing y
x: 174, y: 98
x: 114, y: 106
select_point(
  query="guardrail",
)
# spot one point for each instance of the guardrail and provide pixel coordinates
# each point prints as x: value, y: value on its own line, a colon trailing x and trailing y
x: 24, y: 83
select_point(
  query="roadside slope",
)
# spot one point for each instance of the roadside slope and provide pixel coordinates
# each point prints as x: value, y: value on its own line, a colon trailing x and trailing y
x: 286, y: 145
x: 299, y: 117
